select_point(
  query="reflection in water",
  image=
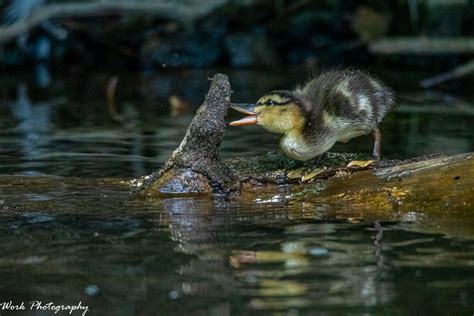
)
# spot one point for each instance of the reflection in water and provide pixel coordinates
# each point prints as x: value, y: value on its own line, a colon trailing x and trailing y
x: 122, y: 254
x: 34, y: 124
x: 132, y: 122
x: 72, y: 235
x: 378, y: 244
x: 285, y: 288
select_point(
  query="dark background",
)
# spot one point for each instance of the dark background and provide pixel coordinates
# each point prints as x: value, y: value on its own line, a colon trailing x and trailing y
x: 300, y: 35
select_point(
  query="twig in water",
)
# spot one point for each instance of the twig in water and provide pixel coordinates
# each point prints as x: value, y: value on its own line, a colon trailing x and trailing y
x: 457, y: 72
x: 111, y: 88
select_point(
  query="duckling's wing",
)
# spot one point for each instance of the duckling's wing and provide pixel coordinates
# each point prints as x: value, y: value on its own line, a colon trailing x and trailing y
x: 352, y: 95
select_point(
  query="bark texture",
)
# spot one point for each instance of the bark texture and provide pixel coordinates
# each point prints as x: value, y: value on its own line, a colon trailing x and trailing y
x: 195, y: 166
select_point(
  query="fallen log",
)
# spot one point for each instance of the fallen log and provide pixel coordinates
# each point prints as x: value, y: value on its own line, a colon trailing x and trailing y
x: 385, y: 186
x: 434, y: 195
x: 440, y: 184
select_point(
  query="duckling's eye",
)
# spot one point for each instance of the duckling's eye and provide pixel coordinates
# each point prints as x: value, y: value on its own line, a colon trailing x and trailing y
x: 270, y: 102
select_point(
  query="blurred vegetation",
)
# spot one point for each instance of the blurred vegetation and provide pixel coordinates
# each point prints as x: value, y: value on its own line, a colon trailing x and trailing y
x: 148, y: 34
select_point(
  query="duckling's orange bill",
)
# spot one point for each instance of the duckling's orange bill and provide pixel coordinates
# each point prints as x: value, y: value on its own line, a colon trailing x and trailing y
x: 246, y: 109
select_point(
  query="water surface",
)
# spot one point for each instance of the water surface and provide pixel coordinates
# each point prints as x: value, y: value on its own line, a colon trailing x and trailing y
x: 72, y: 231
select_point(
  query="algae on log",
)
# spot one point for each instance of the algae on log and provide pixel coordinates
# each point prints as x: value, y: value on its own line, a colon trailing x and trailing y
x: 437, y: 185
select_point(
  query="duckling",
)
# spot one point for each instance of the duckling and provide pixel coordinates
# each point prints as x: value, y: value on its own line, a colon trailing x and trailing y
x: 334, y: 107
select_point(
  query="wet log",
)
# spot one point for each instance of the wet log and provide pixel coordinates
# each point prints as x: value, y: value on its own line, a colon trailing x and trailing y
x: 195, y: 167
x: 437, y: 185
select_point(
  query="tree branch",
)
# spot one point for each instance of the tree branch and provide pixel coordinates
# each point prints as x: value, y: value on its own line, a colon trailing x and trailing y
x: 458, y: 72
x: 167, y: 10
x: 423, y: 45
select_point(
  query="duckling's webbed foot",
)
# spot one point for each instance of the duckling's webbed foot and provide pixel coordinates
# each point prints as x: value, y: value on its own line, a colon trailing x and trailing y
x: 377, y: 142
x: 376, y: 152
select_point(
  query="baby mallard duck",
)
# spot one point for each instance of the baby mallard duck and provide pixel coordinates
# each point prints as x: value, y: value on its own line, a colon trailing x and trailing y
x: 334, y: 107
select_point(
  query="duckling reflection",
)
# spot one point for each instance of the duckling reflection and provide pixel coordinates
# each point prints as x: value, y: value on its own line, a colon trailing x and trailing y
x: 34, y: 123
x: 278, y: 278
x: 335, y: 107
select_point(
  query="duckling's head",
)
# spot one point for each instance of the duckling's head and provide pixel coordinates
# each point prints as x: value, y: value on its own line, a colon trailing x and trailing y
x: 278, y: 112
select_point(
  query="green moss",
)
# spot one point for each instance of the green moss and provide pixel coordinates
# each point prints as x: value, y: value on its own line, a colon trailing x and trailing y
x: 342, y: 159
x: 277, y: 162
x: 310, y: 189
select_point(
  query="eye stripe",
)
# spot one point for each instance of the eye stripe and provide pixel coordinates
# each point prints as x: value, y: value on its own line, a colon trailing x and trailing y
x: 276, y: 98
x: 274, y: 103
x: 282, y: 103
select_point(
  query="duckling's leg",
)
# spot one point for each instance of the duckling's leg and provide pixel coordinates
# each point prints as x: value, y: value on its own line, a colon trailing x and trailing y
x: 377, y: 141
x: 376, y: 152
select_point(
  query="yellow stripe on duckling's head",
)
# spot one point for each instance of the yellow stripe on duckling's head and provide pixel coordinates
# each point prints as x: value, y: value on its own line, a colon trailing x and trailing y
x: 280, y: 112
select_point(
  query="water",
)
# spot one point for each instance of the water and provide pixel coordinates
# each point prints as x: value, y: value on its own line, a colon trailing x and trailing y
x: 72, y: 231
